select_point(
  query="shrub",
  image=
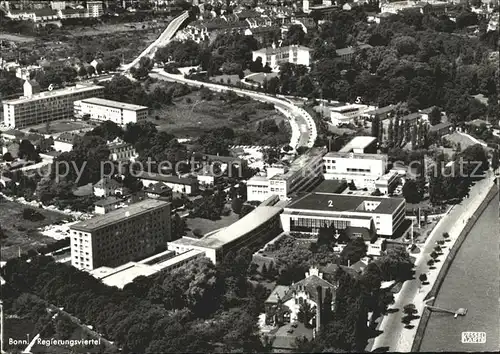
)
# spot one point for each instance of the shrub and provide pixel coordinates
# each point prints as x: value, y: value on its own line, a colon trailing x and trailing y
x: 197, y: 233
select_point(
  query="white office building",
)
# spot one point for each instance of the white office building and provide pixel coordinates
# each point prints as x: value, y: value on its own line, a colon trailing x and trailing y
x: 99, y: 109
x: 284, y: 181
x: 347, y: 114
x: 363, y: 169
x: 310, y: 213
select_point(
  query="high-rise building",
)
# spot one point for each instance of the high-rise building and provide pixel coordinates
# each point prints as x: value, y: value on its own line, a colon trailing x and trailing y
x: 40, y: 107
x: 121, y: 236
x: 95, y: 8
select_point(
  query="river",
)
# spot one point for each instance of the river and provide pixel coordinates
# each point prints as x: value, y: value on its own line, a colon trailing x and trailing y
x: 472, y: 282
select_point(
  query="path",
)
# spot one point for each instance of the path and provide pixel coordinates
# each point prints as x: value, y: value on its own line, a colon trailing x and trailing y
x: 395, y: 337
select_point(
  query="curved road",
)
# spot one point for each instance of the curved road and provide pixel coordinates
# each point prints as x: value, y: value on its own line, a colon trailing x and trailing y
x: 303, y: 126
x: 162, y: 40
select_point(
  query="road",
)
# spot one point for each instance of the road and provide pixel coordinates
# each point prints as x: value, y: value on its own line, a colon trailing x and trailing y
x: 162, y: 40
x: 303, y: 125
x: 395, y: 337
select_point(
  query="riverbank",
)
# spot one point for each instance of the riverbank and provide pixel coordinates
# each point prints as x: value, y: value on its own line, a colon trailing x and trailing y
x: 395, y: 337
x: 433, y: 293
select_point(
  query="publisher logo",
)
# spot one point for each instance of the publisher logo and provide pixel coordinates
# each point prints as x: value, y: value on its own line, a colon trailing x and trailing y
x: 474, y: 337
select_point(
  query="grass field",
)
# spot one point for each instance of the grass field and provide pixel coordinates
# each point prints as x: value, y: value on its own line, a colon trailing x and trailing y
x: 156, y: 27
x: 15, y: 38
x: 23, y: 233
x: 60, y: 126
x: 205, y: 225
x: 190, y: 116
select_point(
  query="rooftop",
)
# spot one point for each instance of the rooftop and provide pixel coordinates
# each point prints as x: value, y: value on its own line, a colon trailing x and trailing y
x: 351, y: 155
x: 113, y: 104
x: 55, y: 93
x: 411, y: 116
x: 107, y: 201
x: 440, y: 126
x: 302, y: 161
x: 126, y: 273
x: 249, y: 222
x: 331, y: 186
x: 359, y: 142
x: 271, y: 50
x: 119, y: 215
x: 167, y: 179
x: 382, y: 110
x: 351, y: 50
x: 332, y: 202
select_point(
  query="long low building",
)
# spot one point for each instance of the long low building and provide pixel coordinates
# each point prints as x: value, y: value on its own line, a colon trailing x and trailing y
x: 187, y: 185
x: 252, y: 231
x: 121, y: 235
x: 125, y: 274
x: 310, y: 213
x: 99, y: 109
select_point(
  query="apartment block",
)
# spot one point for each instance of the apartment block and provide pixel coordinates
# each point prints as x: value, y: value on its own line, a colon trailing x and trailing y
x: 40, y: 107
x: 275, y: 56
x: 120, y: 236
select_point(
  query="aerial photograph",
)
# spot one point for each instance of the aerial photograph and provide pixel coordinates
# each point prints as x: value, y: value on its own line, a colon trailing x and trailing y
x: 249, y: 176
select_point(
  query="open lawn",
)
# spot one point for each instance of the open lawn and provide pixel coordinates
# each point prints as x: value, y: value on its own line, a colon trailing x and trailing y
x: 260, y: 77
x: 60, y: 126
x: 21, y: 233
x: 205, y: 225
x: 15, y: 38
x: 154, y: 27
x: 456, y: 138
x: 190, y: 116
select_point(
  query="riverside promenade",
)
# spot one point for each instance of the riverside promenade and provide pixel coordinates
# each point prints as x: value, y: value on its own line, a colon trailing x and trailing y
x: 394, y: 336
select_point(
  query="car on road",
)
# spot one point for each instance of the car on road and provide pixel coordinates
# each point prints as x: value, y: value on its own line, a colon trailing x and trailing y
x: 290, y: 331
x: 294, y: 325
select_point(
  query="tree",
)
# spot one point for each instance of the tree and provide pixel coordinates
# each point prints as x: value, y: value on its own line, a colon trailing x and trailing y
x: 376, y: 127
x: 495, y: 160
x: 435, y: 116
x: 246, y: 209
x: 353, y: 251
x: 237, y: 205
x: 82, y: 72
x: 295, y: 35
x: 396, y: 264
x: 305, y: 314
x: 411, y: 192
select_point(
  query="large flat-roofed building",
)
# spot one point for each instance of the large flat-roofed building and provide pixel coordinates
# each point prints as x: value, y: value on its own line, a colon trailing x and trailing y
x: 275, y: 56
x: 305, y: 171
x: 310, y: 213
x: 283, y: 181
x: 347, y: 114
x: 362, y: 169
x: 252, y: 231
x: 120, y: 236
x: 126, y: 273
x: 46, y: 106
x: 99, y: 109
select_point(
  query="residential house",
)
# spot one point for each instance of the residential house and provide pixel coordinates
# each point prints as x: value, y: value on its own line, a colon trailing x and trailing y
x: 441, y: 129
x: 187, y: 185
x: 121, y: 151
x: 159, y: 191
x: 106, y: 205
x: 65, y: 142
x: 106, y: 187
x: 284, y: 303
x: 347, y: 54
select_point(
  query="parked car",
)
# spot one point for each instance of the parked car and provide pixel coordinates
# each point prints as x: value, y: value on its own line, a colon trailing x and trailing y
x: 290, y: 331
x: 294, y: 325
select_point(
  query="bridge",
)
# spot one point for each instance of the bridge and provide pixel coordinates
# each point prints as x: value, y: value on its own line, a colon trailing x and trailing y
x: 162, y: 40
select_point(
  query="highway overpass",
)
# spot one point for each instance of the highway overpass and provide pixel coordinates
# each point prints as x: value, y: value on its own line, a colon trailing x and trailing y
x: 161, y: 41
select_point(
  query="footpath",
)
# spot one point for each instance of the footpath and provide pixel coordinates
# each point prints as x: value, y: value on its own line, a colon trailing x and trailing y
x: 394, y: 336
